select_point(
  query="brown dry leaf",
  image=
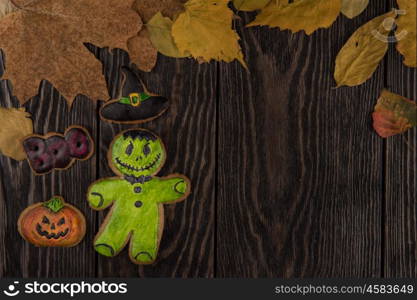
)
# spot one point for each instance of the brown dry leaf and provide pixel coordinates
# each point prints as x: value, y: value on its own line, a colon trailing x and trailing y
x: 250, y: 5
x: 406, y: 32
x: 205, y: 31
x: 15, y: 125
x: 393, y: 114
x: 6, y: 7
x: 142, y: 52
x: 307, y: 15
x: 361, y: 55
x: 148, y: 8
x: 44, y: 40
x: 159, y: 28
x: 353, y: 8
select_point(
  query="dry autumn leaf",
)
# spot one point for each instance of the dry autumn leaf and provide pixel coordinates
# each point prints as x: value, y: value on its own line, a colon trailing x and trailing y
x: 406, y: 32
x: 6, y: 7
x: 142, y: 51
x: 250, y: 5
x: 393, y: 114
x: 361, y: 55
x: 307, y: 15
x: 159, y: 28
x: 45, y: 41
x: 149, y: 8
x: 15, y: 125
x: 353, y: 8
x: 205, y: 31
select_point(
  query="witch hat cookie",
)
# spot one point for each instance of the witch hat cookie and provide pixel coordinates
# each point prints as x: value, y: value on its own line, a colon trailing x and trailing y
x: 135, y: 105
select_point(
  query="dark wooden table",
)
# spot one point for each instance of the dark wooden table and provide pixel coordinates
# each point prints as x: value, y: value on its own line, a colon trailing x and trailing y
x: 289, y: 179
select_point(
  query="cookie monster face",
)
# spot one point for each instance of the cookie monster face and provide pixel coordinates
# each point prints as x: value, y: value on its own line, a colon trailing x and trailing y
x: 137, y: 152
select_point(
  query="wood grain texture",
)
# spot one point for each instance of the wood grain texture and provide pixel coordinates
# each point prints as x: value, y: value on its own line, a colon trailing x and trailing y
x: 300, y: 171
x: 288, y: 177
x: 400, y: 214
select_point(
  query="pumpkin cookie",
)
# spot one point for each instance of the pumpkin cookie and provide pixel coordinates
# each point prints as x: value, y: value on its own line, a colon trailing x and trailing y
x: 58, y: 151
x: 136, y: 196
x: 53, y: 223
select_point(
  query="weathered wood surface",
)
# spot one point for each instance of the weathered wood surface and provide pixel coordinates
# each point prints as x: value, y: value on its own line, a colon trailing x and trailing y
x: 400, y: 211
x: 288, y: 177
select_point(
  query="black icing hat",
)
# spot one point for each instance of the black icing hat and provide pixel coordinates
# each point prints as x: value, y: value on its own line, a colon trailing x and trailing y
x: 135, y: 104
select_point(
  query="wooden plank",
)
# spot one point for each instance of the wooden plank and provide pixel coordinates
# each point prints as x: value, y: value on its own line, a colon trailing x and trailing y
x: 188, y: 130
x: 401, y: 180
x: 20, y: 188
x: 300, y: 169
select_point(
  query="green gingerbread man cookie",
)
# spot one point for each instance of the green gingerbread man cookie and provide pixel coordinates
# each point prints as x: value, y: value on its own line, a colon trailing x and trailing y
x: 136, y: 196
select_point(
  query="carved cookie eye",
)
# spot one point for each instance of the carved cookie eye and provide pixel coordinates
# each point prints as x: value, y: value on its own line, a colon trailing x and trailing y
x: 61, y: 222
x: 146, y: 149
x: 129, y: 149
x: 45, y: 220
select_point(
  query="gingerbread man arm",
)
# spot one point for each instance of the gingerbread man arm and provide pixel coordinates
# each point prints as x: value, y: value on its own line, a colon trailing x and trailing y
x: 102, y: 193
x: 173, y: 188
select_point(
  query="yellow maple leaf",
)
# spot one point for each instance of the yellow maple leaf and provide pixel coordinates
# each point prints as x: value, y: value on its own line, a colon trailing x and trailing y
x: 159, y: 28
x: 204, y: 30
x: 362, y: 53
x: 353, y: 8
x: 249, y: 5
x: 15, y: 125
x: 406, y: 32
x: 307, y: 15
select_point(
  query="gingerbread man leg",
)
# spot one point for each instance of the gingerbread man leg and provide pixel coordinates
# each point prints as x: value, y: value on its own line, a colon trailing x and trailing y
x: 144, y: 242
x: 112, y: 237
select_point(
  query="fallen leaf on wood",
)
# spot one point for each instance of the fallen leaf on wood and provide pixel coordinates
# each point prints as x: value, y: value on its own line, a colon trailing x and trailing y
x: 159, y: 28
x: 205, y: 31
x: 149, y: 8
x: 45, y: 41
x: 361, y: 55
x: 15, y: 125
x: 307, y: 15
x: 6, y: 7
x: 406, y: 32
x: 142, y: 52
x: 353, y: 8
x: 250, y: 5
x: 393, y: 114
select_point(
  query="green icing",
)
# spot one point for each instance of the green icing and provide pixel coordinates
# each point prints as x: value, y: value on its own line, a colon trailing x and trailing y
x: 124, y: 100
x: 142, y: 97
x: 135, y: 214
x: 55, y: 204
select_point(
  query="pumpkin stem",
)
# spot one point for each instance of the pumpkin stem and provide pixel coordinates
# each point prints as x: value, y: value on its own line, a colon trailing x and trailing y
x: 55, y: 204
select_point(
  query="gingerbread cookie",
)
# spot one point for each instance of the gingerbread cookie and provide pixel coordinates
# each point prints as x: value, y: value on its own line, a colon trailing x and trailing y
x: 135, y: 105
x: 58, y: 151
x: 53, y: 223
x: 136, y: 196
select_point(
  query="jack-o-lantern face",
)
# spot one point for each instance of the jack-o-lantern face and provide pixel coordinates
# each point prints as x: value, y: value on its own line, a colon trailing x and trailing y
x: 137, y: 152
x: 52, y: 224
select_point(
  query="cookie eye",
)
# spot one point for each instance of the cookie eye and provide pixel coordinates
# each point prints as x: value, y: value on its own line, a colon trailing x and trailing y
x: 129, y: 149
x: 146, y: 149
x: 45, y: 220
x: 61, y: 222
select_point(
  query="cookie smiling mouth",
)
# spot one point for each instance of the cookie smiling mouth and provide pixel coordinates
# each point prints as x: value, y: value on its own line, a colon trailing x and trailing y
x: 51, y: 235
x: 132, y: 168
